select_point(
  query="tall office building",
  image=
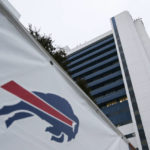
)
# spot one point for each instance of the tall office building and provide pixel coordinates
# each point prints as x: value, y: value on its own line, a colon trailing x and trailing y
x: 115, y: 67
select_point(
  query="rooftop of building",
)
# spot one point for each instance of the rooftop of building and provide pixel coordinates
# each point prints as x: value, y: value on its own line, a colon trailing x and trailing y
x: 88, y: 43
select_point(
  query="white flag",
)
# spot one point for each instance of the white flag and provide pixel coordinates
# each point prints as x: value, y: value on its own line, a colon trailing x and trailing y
x: 40, y: 107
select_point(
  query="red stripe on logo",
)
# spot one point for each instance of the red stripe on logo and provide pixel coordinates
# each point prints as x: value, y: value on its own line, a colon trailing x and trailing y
x: 27, y: 96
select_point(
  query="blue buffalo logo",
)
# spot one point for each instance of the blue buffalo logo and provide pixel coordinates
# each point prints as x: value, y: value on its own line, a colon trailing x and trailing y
x: 49, y: 107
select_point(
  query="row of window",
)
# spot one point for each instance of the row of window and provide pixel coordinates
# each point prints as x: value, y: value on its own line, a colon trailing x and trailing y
x: 103, y: 72
x: 91, y: 55
x: 92, y: 47
x: 108, y: 88
x: 93, y: 61
x: 96, y: 67
x: 111, y: 96
x: 104, y: 80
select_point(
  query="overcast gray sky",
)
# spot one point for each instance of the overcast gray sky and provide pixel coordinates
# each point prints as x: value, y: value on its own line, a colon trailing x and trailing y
x: 72, y: 22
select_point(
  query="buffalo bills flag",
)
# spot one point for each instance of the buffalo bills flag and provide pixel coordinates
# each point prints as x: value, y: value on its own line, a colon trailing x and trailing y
x: 40, y: 106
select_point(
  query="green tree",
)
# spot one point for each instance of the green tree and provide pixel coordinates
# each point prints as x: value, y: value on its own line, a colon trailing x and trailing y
x: 83, y: 85
x: 58, y: 54
x: 46, y: 42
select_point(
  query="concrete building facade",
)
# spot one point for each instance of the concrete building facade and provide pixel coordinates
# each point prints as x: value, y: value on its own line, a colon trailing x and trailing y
x: 115, y: 67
